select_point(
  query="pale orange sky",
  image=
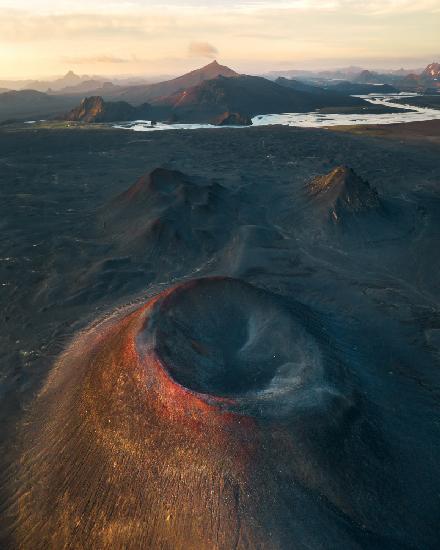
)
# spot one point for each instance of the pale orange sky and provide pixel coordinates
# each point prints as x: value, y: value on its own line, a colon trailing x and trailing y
x: 43, y: 38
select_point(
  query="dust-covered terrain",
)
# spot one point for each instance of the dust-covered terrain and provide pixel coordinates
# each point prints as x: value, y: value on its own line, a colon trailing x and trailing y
x: 251, y: 319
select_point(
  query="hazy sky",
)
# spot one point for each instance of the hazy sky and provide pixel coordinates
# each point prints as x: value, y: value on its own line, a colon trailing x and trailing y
x: 43, y: 37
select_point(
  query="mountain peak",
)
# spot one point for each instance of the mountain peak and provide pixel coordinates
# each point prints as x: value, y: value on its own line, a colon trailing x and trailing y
x: 215, y: 69
x: 167, y: 88
x: 432, y: 70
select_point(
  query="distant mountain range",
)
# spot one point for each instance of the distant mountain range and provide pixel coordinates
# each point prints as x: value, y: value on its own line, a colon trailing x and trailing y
x: 73, y: 83
x: 419, y: 80
x: 427, y: 79
x: 212, y: 93
x: 139, y: 89
x: 356, y: 88
x: 69, y: 79
x: 331, y: 96
x: 223, y: 100
x: 344, y: 73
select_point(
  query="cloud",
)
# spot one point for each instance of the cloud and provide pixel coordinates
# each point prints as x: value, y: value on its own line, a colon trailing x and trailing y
x: 29, y: 27
x: 388, y: 7
x: 169, y: 36
x: 99, y: 59
x: 202, y: 49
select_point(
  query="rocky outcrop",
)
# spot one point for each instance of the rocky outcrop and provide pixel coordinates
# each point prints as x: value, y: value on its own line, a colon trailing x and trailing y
x: 233, y: 119
x: 432, y: 71
x: 95, y: 109
x: 429, y: 79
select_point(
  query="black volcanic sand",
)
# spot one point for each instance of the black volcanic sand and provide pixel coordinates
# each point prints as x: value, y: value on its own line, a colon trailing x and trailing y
x: 424, y: 133
x: 252, y: 326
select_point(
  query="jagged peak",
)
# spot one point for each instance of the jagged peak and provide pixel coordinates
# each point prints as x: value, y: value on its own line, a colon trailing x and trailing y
x: 432, y: 70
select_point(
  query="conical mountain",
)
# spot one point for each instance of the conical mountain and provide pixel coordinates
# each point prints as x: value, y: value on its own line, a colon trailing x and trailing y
x: 140, y: 94
x: 342, y: 192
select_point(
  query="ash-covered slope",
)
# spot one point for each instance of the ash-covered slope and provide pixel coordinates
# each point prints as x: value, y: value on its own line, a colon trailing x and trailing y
x: 295, y: 407
x: 168, y: 216
x: 209, y: 414
x: 95, y: 109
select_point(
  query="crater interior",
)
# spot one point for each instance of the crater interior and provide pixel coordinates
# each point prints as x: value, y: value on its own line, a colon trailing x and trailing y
x: 227, y: 338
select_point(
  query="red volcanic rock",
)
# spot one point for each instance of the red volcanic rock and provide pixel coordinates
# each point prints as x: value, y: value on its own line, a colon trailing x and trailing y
x: 233, y: 119
x: 91, y: 109
x: 186, y: 422
x: 428, y: 80
x: 95, y: 109
x: 432, y: 71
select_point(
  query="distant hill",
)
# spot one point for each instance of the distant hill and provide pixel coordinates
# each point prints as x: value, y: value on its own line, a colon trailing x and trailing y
x: 142, y: 93
x: 69, y: 79
x: 326, y: 98
x: 354, y: 88
x: 429, y: 78
x: 345, y: 73
x: 297, y: 85
x: 26, y: 104
x: 366, y: 77
x: 85, y: 87
x: 95, y: 109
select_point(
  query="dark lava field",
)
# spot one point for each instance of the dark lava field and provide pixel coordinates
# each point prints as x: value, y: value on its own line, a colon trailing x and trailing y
x: 219, y: 339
